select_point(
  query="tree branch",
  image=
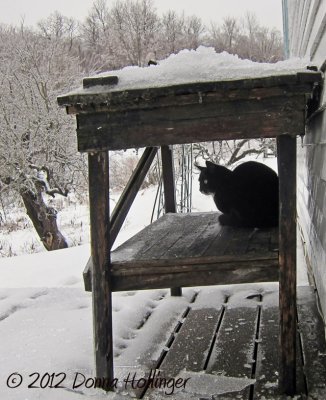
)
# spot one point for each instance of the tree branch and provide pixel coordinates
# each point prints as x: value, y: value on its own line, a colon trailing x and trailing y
x: 43, y: 177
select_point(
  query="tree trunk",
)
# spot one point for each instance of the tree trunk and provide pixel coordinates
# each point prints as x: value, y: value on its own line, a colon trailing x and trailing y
x: 44, y: 219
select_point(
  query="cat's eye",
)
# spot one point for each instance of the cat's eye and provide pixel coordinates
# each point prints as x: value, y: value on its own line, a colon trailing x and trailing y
x: 205, y: 181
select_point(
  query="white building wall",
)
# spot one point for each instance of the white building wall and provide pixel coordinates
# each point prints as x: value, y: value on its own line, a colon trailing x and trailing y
x: 306, y: 33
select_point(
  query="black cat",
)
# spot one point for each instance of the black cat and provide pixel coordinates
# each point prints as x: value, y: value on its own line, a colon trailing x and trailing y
x: 247, y: 196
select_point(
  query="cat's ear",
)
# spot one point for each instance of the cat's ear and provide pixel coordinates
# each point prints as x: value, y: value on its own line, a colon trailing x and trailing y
x: 210, y: 166
x: 200, y: 167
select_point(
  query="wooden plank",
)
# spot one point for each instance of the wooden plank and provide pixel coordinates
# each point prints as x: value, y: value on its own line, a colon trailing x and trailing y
x: 268, y: 355
x: 201, y: 234
x: 191, y: 347
x: 239, y: 247
x: 129, y: 193
x: 179, y: 228
x: 170, y: 249
x: 109, y: 102
x: 145, y: 352
x: 188, y: 351
x: 286, y: 148
x: 233, y: 352
x: 98, y: 165
x: 219, y: 243
x: 186, y: 240
x: 152, y: 237
x: 239, y: 241
x: 312, y: 332
x: 199, y: 238
x: 273, y: 86
x: 198, y: 109
x: 100, y: 80
x: 273, y: 244
x: 87, y: 275
x: 143, y: 241
x: 157, y: 252
x: 194, y: 242
x: 168, y: 179
x: 188, y: 124
x: 199, y: 275
x: 263, y: 239
x: 169, y: 191
x: 248, y: 241
x: 139, y: 266
x: 197, y: 230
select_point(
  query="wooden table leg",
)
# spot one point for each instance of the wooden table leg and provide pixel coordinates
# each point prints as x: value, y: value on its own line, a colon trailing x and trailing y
x: 286, y: 152
x: 98, y: 164
x: 169, y: 190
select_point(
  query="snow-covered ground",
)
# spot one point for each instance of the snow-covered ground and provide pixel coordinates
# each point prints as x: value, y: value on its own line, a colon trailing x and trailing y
x: 46, y: 316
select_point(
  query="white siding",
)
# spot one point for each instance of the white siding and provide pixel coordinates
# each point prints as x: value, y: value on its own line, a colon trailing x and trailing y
x: 307, y: 24
x: 307, y: 38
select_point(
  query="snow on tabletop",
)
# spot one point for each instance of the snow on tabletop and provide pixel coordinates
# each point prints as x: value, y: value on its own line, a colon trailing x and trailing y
x: 201, y: 65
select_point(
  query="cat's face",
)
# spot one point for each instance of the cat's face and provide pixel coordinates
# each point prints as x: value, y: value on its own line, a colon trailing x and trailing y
x: 205, y: 180
x: 211, y: 177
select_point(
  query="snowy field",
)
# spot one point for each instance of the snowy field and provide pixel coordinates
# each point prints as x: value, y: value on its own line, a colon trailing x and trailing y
x: 46, y: 316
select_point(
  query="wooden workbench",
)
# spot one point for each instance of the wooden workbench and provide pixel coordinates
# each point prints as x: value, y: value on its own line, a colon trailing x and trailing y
x: 111, y: 119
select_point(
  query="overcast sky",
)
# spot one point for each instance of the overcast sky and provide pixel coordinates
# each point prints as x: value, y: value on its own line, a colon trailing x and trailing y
x: 268, y: 12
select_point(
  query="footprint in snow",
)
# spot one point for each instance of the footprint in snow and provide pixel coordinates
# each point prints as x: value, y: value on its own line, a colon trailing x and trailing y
x: 11, y: 311
x: 38, y: 294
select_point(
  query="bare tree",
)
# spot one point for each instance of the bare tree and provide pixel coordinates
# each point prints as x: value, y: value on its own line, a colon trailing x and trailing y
x: 37, y: 143
x: 231, y: 152
x: 247, y: 39
x: 96, y: 26
x: 57, y: 26
x: 269, y: 44
x: 95, y: 49
x: 194, y: 29
x: 135, y: 25
x: 172, y: 32
x: 230, y: 29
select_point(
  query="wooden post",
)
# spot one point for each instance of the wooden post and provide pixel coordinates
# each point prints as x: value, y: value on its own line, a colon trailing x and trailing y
x: 287, y: 261
x: 98, y: 164
x: 169, y: 191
